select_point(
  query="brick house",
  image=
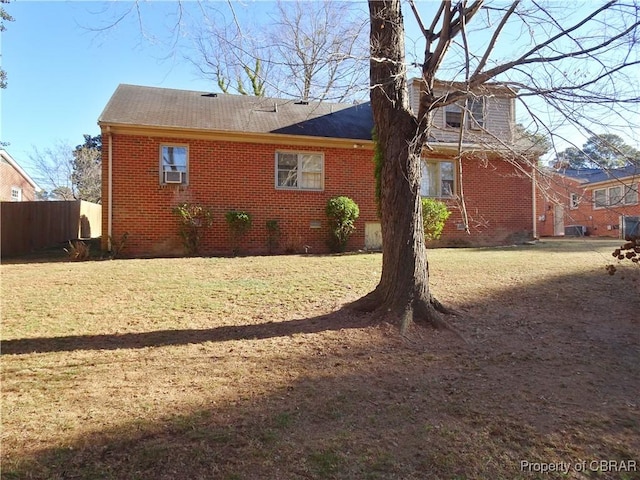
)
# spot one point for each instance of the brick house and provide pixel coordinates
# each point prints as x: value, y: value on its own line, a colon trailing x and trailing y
x: 282, y: 160
x: 493, y: 174
x: 592, y: 202
x: 15, y: 184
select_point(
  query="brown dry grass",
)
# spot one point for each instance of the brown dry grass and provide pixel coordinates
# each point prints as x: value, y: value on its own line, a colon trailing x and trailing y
x: 248, y: 368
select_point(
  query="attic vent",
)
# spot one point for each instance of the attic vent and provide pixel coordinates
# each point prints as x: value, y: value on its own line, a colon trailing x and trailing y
x: 210, y: 95
x: 302, y: 102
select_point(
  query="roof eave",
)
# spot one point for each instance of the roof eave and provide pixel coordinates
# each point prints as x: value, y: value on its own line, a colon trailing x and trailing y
x: 234, y: 136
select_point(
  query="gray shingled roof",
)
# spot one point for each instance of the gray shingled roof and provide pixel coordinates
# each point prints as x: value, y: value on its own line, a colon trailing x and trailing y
x: 163, y: 107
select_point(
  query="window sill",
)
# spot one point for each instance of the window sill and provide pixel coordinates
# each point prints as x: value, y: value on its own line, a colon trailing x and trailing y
x: 296, y: 189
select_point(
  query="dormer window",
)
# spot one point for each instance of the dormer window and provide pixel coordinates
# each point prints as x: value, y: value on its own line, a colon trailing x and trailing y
x: 476, y: 113
x: 453, y: 115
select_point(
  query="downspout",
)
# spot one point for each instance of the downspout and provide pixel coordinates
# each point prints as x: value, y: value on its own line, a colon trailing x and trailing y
x: 110, y: 190
x: 534, y: 202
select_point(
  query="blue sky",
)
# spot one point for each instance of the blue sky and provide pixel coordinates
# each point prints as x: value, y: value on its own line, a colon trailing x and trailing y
x: 62, y: 71
x: 61, y: 74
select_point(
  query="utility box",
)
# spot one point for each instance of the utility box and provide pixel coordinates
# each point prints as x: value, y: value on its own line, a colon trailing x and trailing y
x: 629, y: 226
x: 575, y: 230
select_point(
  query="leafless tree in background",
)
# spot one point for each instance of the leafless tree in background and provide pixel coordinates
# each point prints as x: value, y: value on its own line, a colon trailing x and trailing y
x: 71, y: 173
x: 55, y: 166
x: 304, y: 50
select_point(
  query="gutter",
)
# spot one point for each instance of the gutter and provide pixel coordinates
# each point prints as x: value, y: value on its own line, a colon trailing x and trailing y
x: 110, y: 190
x: 534, y: 203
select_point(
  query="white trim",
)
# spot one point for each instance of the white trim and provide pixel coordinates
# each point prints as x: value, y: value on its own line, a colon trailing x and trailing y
x: 110, y: 192
x: 184, y: 177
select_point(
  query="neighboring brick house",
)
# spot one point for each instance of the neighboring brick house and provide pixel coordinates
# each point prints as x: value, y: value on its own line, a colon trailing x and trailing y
x: 593, y: 202
x: 15, y: 184
x: 279, y: 160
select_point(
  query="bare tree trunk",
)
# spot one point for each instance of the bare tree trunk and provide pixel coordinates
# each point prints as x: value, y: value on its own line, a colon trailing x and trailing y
x: 403, y: 292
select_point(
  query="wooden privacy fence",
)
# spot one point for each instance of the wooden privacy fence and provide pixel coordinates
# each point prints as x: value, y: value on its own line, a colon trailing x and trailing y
x: 29, y: 226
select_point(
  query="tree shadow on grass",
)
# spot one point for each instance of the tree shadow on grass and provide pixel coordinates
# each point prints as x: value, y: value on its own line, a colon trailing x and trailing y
x: 551, y: 376
x: 338, y: 320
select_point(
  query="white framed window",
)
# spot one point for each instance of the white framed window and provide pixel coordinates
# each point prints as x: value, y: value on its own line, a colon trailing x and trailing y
x: 574, y: 201
x: 631, y: 194
x: 453, y: 116
x: 615, y: 196
x: 437, y: 179
x: 476, y: 113
x: 600, y: 198
x: 174, y: 164
x: 300, y: 170
x: 16, y: 194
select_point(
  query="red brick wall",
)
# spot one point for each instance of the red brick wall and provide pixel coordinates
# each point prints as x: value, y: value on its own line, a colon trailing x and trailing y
x: 240, y: 176
x: 12, y: 178
x: 499, y: 205
x: 229, y: 176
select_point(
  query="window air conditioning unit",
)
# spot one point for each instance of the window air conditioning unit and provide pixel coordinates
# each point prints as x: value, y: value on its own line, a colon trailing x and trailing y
x: 173, y: 176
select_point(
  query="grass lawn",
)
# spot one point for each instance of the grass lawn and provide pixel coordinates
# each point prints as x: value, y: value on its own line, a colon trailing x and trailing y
x: 249, y: 368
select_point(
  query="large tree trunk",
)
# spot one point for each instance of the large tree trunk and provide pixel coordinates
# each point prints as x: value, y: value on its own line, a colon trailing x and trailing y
x: 403, y: 291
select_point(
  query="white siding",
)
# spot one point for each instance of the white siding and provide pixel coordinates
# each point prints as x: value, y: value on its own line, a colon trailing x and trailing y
x: 499, y: 120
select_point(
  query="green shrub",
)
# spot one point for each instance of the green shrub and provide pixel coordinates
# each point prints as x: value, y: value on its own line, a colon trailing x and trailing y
x: 342, y: 213
x: 239, y: 223
x: 193, y: 219
x: 434, y: 214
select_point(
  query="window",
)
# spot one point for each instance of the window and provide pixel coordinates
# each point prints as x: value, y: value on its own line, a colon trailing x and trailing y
x: 453, y: 115
x: 174, y: 164
x: 574, y: 201
x: 304, y: 171
x: 476, y: 112
x: 437, y: 179
x: 615, y: 196
x: 631, y: 194
x: 16, y: 194
x: 600, y: 198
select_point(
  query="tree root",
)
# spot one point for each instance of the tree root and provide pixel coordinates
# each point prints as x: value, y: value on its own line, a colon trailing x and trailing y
x: 415, y: 312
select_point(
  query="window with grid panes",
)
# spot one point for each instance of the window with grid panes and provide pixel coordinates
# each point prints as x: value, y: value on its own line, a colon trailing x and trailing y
x: 300, y: 170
